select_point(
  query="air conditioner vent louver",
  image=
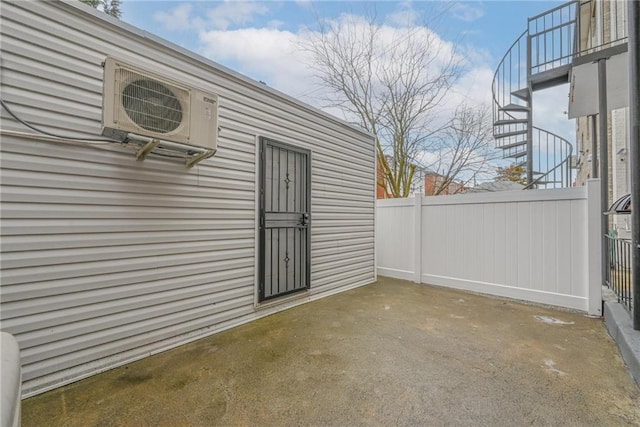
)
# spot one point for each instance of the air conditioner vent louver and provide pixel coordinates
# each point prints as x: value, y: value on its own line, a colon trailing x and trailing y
x: 152, y: 105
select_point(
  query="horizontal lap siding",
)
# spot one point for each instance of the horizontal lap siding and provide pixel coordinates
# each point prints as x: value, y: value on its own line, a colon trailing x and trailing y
x: 105, y: 259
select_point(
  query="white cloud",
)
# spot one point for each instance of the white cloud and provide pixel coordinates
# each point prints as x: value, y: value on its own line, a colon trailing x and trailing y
x: 474, y: 86
x: 178, y: 18
x: 305, y: 4
x: 274, y: 56
x: 266, y: 54
x: 466, y: 11
x: 232, y: 13
x: 275, y: 24
x: 227, y: 14
x: 405, y: 17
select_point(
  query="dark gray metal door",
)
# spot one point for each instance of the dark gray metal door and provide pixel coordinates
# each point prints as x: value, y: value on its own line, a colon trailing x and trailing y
x: 285, y: 219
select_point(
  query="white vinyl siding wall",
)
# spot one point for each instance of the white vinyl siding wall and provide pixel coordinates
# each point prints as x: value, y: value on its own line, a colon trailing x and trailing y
x: 106, y: 260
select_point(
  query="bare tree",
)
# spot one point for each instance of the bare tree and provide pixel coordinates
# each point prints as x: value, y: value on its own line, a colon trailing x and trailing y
x: 463, y: 151
x: 391, y: 81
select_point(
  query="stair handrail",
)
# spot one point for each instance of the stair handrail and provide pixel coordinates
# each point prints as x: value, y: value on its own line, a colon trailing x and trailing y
x: 564, y: 162
x: 503, y: 86
x: 495, y: 75
x: 556, y: 8
x: 555, y: 32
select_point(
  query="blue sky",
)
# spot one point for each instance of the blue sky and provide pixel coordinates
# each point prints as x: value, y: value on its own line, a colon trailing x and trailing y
x: 259, y: 39
x: 488, y: 25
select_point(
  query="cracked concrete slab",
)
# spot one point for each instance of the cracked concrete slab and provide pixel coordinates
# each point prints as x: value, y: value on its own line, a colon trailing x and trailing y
x: 391, y: 353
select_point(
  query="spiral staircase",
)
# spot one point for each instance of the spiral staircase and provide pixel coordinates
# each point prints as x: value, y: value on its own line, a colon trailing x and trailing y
x: 540, y: 58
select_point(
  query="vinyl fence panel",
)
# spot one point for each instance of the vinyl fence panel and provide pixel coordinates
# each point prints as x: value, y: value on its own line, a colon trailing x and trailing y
x: 529, y: 245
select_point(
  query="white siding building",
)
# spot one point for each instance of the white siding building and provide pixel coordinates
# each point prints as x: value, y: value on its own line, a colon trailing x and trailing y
x: 106, y: 259
x: 603, y: 24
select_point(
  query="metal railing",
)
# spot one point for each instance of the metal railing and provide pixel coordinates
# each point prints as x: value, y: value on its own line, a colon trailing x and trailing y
x: 548, y: 42
x: 552, y: 35
x: 618, y: 269
x: 602, y: 24
x: 511, y: 73
x: 552, y: 154
x: 541, y: 57
x: 509, y: 77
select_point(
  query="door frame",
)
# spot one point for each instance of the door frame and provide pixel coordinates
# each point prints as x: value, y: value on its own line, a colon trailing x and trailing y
x: 260, y: 251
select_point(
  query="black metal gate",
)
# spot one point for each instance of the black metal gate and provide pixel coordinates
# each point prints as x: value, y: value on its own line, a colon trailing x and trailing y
x: 285, y: 219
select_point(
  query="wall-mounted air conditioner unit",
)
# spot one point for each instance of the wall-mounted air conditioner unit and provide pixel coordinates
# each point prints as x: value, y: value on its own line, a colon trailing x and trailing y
x: 139, y: 102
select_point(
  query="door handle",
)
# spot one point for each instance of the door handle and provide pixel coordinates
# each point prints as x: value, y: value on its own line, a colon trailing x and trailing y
x: 305, y: 219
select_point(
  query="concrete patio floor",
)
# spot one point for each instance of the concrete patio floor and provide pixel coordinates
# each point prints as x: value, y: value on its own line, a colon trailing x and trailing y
x: 392, y: 353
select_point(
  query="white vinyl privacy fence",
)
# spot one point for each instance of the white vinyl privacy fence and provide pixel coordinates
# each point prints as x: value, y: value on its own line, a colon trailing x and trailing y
x: 540, y: 245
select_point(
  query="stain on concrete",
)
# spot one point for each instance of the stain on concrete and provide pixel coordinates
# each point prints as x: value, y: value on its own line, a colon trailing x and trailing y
x: 411, y: 365
x: 181, y: 382
x: 552, y: 320
x: 551, y: 366
x: 134, y: 378
x: 215, y: 410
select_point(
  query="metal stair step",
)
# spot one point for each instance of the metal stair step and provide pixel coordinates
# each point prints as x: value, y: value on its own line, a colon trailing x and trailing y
x: 511, y: 122
x: 515, y: 108
x: 511, y: 145
x: 558, y: 75
x: 508, y: 134
x: 523, y: 94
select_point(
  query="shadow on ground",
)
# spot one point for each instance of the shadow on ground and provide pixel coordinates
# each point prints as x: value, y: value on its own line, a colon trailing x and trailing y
x: 391, y: 353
